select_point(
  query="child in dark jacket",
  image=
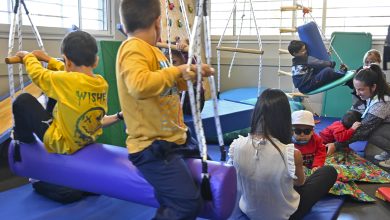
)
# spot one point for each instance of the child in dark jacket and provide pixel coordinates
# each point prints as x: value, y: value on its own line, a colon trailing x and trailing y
x: 310, y: 73
x: 343, y: 129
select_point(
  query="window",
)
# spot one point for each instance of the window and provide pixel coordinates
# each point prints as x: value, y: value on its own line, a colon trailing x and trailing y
x: 341, y: 15
x: 88, y: 15
x: 358, y: 16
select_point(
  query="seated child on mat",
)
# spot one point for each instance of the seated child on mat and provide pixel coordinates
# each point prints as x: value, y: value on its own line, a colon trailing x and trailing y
x: 343, y: 129
x: 306, y: 140
x: 179, y: 57
x: 310, y: 73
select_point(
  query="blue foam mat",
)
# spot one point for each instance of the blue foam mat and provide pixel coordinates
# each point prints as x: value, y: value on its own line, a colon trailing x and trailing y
x: 327, y: 208
x: 233, y: 116
x: 24, y: 203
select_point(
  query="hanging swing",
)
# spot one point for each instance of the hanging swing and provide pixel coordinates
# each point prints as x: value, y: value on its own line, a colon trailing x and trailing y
x: 313, y: 37
x: 6, y: 103
x: 310, y: 34
x: 236, y: 49
x: 117, y: 177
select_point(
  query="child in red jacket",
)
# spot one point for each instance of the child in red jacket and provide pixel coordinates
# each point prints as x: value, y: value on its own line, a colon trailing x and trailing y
x: 309, y: 143
x: 342, y: 130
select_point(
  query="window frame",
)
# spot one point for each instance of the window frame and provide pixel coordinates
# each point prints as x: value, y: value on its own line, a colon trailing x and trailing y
x: 321, y: 22
x: 55, y: 33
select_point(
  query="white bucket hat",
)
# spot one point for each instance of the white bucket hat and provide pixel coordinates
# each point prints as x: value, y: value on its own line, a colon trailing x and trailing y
x: 302, y: 117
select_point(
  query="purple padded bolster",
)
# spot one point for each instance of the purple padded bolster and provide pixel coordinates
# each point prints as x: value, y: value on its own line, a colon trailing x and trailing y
x: 309, y: 34
x: 105, y: 169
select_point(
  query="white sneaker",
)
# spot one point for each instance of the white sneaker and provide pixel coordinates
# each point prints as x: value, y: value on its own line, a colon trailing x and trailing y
x: 385, y: 163
x: 31, y: 180
x: 383, y: 156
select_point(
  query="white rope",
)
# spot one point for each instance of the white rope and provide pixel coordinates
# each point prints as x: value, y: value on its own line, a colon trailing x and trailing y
x: 259, y: 42
x: 207, y: 40
x: 10, y: 48
x: 326, y: 40
x: 188, y: 30
x: 168, y: 31
x: 20, y: 45
x: 238, y: 40
x: 36, y: 33
x: 219, y: 44
x: 194, y: 51
x: 280, y: 44
x: 186, y: 23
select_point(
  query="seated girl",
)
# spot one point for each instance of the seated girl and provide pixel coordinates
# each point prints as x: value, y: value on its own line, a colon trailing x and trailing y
x: 270, y: 176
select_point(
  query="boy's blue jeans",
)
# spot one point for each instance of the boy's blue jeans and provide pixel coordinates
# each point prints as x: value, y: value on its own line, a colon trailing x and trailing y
x: 174, y: 186
x: 325, y: 76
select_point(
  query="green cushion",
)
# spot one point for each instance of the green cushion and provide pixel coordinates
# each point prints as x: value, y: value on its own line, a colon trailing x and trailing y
x: 348, y: 76
x: 114, y: 134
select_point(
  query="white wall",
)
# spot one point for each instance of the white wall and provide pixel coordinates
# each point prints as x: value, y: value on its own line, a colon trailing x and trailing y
x: 244, y: 73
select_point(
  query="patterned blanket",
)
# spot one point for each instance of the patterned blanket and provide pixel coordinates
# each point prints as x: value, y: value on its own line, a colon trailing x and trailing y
x: 352, y: 168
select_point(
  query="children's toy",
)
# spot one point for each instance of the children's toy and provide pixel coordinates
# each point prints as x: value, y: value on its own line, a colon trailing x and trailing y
x: 383, y: 193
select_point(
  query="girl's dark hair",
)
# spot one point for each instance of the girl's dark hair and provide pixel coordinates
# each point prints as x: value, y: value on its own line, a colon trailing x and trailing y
x: 139, y: 14
x: 374, y: 75
x: 80, y: 47
x: 272, y: 117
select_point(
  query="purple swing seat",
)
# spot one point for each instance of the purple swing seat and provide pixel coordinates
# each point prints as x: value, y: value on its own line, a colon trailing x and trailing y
x: 106, y: 170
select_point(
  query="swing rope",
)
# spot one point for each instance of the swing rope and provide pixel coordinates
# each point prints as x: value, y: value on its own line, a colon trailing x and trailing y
x: 242, y: 50
x: 168, y: 31
x: 194, y: 52
x: 207, y: 37
x: 326, y: 39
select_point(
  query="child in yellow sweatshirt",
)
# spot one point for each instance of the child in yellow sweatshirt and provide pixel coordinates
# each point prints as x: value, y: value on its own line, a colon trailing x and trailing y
x: 81, y: 96
x: 148, y: 89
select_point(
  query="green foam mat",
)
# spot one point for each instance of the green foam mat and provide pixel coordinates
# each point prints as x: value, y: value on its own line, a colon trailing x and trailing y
x: 115, y: 134
x: 351, y: 47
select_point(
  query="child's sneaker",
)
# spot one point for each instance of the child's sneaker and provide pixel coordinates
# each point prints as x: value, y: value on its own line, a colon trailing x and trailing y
x: 385, y: 163
x: 383, y: 156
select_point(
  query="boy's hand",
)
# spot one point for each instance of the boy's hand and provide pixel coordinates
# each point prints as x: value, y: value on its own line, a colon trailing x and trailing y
x: 356, y: 125
x: 343, y: 67
x: 206, y: 70
x: 41, y: 55
x: 189, y: 75
x: 331, y: 148
x: 21, y: 54
x: 181, y: 46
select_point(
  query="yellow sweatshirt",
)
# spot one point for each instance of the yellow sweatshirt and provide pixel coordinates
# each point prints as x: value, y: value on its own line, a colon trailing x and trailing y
x: 81, y: 104
x: 148, y: 93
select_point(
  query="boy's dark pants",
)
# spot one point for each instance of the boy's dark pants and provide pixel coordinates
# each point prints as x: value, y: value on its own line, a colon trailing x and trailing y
x: 175, y: 189
x: 30, y: 117
x: 325, y: 76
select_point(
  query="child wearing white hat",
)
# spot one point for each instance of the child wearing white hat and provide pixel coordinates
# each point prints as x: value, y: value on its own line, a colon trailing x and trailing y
x: 306, y: 140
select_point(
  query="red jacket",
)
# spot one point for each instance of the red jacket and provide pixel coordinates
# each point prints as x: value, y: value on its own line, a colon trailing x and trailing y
x: 336, y: 132
x: 313, y: 153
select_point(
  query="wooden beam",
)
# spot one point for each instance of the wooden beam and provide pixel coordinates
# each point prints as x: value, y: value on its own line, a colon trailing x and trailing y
x: 240, y: 50
x: 173, y: 47
x: 288, y: 30
x: 283, y: 51
x: 284, y: 73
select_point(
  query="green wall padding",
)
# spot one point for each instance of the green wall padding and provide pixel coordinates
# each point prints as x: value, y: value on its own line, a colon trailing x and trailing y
x: 351, y: 47
x: 115, y: 134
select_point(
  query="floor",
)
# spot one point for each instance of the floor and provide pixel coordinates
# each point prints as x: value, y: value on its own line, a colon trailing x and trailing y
x: 350, y: 210
x: 357, y: 210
